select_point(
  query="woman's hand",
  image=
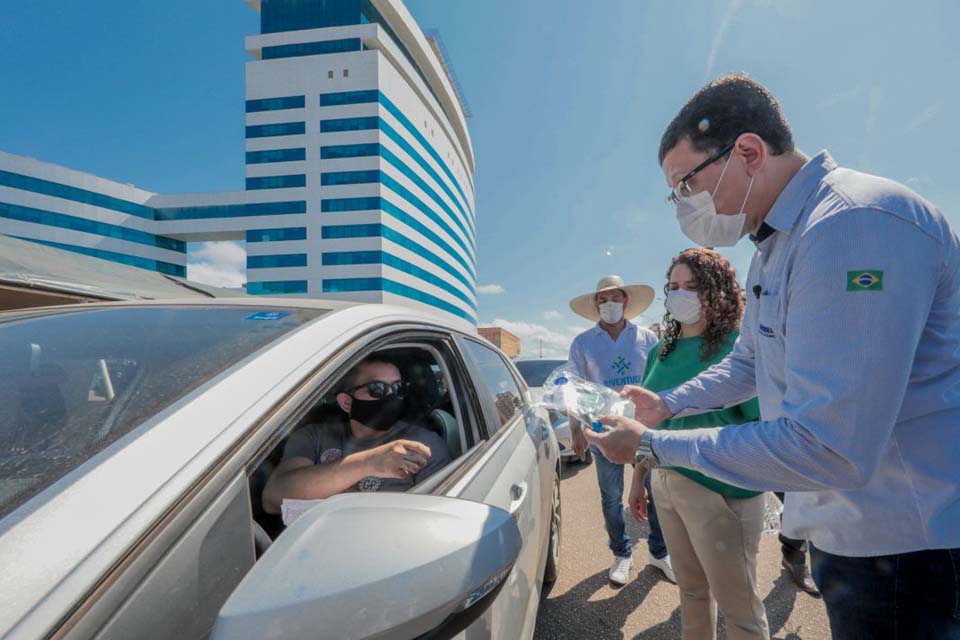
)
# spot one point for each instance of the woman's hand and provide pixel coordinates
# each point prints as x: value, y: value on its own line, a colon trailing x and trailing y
x: 651, y: 409
x: 638, y: 495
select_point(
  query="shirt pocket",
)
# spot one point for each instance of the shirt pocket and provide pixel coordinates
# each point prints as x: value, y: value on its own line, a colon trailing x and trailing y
x: 769, y: 320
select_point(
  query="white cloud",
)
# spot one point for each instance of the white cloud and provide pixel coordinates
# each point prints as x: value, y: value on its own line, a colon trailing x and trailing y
x: 725, y: 21
x: 219, y: 264
x: 840, y: 98
x: 551, y: 315
x: 533, y: 337
x: 490, y: 289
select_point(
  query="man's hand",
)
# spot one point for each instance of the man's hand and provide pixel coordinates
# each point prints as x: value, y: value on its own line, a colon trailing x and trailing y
x: 579, y: 442
x: 397, y: 459
x: 638, y: 495
x: 651, y: 409
x: 619, y: 445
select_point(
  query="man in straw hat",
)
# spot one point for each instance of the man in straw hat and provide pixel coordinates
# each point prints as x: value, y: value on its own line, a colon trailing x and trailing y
x: 614, y: 353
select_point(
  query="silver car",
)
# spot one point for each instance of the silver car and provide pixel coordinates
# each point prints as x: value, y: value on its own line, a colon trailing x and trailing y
x: 535, y: 372
x: 136, y: 438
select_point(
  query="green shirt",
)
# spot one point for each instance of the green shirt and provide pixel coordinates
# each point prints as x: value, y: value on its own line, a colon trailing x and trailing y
x: 684, y: 363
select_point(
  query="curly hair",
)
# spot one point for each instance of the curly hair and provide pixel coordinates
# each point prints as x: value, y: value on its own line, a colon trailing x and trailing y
x: 722, y: 301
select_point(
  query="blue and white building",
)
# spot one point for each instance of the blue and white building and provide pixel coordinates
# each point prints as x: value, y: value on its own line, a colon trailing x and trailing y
x: 359, y: 171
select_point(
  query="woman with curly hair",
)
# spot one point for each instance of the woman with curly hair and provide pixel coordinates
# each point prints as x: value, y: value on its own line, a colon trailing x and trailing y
x: 712, y: 529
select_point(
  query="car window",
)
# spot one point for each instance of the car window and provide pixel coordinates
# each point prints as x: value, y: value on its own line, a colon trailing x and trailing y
x: 500, y: 382
x: 535, y: 372
x: 73, y: 382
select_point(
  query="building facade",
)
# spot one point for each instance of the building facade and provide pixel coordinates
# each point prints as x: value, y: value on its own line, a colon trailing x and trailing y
x: 502, y: 339
x: 359, y: 171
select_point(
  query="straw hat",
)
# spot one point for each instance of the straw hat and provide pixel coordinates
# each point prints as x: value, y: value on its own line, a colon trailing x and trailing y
x: 639, y: 297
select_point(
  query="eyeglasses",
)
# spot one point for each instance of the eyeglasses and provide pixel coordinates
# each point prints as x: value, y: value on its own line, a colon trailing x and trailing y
x: 682, y: 188
x: 378, y: 388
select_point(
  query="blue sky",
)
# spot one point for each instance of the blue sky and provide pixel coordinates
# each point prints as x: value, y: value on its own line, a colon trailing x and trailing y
x: 569, y: 101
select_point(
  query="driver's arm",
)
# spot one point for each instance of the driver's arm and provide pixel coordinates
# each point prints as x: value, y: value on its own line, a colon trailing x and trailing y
x: 299, y: 478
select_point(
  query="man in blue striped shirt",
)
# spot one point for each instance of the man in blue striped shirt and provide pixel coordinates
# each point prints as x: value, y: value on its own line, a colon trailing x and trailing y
x: 851, y: 341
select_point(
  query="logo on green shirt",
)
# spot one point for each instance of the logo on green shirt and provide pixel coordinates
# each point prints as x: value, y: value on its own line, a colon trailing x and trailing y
x: 864, y: 280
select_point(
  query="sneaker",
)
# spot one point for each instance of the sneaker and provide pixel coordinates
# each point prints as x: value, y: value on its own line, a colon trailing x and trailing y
x: 620, y: 570
x: 663, y: 564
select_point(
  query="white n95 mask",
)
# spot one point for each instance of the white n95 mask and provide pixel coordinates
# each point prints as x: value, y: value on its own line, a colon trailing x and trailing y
x: 611, y: 312
x: 684, y: 306
x: 700, y: 221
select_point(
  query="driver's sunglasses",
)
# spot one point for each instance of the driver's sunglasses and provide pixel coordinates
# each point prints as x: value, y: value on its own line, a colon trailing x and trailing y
x: 379, y: 389
x: 682, y: 189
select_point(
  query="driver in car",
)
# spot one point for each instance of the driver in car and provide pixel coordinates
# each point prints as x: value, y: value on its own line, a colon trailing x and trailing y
x: 374, y: 450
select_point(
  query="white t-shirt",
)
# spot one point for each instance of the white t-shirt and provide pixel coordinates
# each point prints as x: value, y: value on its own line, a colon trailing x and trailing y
x: 613, y: 364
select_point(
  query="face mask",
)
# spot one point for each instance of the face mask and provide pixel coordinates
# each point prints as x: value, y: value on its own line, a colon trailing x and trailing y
x: 684, y: 306
x: 701, y: 223
x: 611, y: 312
x: 380, y: 414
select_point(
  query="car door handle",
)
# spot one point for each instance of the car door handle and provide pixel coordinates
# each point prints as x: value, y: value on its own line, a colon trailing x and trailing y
x: 518, y: 495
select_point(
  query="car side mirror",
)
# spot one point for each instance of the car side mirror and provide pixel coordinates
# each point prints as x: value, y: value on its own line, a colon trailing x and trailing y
x: 364, y: 565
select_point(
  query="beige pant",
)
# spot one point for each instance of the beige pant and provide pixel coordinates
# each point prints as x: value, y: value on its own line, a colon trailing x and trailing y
x: 713, y: 543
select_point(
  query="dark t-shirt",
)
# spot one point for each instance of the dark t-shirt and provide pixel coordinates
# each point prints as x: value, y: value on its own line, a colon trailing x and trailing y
x: 326, y: 443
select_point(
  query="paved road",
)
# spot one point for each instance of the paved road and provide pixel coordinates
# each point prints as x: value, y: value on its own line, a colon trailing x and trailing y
x: 583, y: 605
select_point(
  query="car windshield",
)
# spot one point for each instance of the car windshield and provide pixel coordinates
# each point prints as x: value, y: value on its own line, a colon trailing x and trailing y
x: 535, y: 372
x: 73, y: 382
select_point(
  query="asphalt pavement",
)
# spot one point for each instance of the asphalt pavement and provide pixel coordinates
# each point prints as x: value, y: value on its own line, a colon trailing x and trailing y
x: 584, y: 604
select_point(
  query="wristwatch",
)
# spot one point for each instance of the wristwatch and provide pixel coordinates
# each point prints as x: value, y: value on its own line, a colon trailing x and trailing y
x: 645, y: 453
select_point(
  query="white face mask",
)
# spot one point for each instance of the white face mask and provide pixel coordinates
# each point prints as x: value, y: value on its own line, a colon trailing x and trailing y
x: 611, y: 312
x: 701, y: 223
x: 684, y: 306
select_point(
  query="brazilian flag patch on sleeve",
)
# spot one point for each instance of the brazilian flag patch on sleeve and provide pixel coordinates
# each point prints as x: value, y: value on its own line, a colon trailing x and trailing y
x: 869, y: 280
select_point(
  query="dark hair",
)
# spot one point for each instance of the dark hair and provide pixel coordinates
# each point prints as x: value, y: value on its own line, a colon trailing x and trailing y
x: 350, y: 380
x: 721, y: 301
x: 726, y: 108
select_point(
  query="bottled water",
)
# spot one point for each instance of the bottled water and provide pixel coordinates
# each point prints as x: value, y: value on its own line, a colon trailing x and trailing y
x: 568, y: 393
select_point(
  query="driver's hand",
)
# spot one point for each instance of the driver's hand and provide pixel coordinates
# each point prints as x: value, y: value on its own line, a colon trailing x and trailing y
x: 397, y: 459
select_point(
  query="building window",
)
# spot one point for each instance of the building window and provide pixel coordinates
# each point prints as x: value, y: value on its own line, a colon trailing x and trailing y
x: 349, y: 151
x: 343, y: 285
x: 74, y: 194
x: 276, y: 182
x: 311, y: 48
x: 276, y: 235
x: 93, y: 227
x: 348, y: 97
x: 330, y: 74
x: 276, y: 155
x: 346, y: 73
x: 295, y: 15
x: 279, y: 129
x: 274, y: 287
x: 133, y: 261
x: 349, y: 124
x: 339, y: 258
x: 275, y: 104
x: 233, y: 210
x: 349, y: 177
x: 277, y: 261
x: 337, y: 205
x: 373, y: 230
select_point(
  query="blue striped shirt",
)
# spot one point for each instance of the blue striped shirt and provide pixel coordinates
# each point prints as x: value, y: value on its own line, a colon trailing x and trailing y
x: 853, y: 348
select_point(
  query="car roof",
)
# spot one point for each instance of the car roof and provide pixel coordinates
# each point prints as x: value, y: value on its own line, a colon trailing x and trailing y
x: 367, y: 310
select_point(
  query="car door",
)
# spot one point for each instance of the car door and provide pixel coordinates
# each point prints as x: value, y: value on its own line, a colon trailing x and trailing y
x: 511, y: 475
